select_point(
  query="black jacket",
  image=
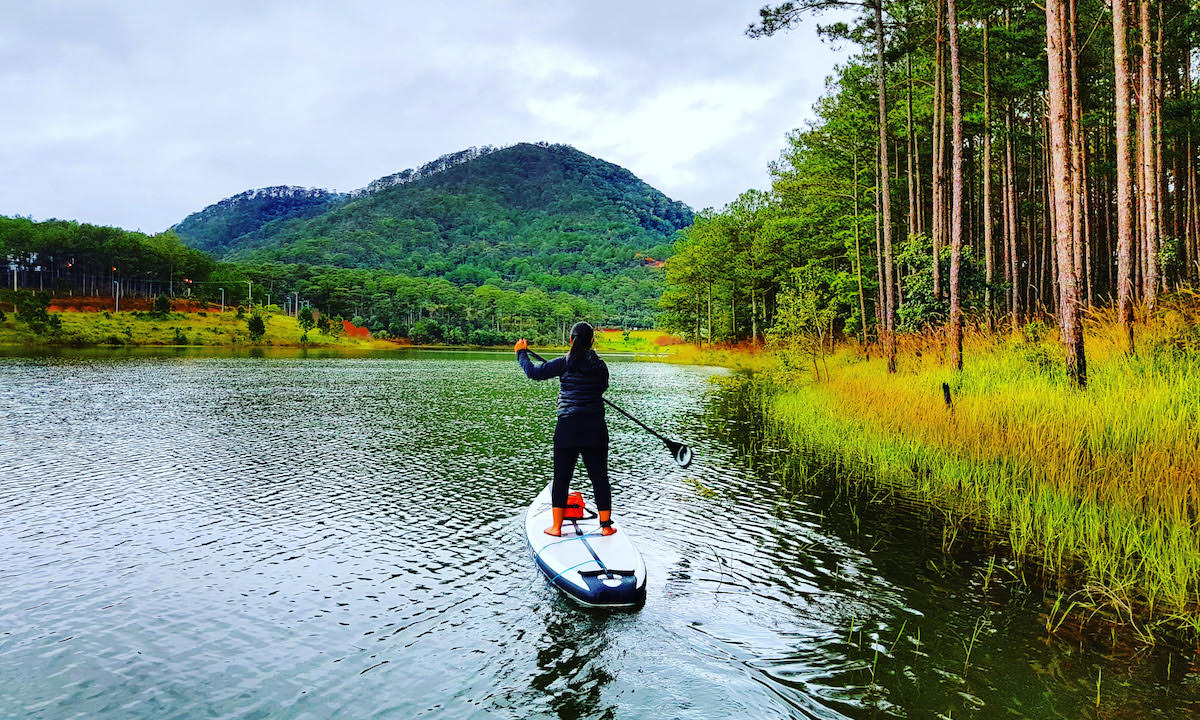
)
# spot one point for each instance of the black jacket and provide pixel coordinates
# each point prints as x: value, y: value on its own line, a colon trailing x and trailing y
x: 581, y: 390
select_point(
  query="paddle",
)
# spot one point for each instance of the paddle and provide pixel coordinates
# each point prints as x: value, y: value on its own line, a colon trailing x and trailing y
x: 681, y: 453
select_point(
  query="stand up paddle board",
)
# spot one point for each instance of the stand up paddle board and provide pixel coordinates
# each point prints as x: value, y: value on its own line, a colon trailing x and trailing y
x: 592, y: 569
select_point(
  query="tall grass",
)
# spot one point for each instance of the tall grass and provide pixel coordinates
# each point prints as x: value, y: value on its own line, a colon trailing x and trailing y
x: 1099, y: 484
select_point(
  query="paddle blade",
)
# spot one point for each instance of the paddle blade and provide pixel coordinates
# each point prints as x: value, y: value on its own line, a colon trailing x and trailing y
x: 682, y: 453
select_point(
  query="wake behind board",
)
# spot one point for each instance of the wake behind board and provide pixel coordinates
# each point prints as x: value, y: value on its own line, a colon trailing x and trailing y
x: 592, y: 569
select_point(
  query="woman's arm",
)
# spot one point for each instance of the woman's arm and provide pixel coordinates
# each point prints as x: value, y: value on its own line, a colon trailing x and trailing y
x: 545, y: 371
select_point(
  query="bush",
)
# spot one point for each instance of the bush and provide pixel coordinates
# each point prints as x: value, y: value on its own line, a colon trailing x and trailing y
x: 30, y: 306
x: 241, y: 312
x: 257, y: 327
x: 306, y: 320
x: 180, y: 338
x: 487, y: 337
x: 31, y: 309
x: 425, y: 331
x: 1177, y: 341
x: 923, y: 306
x: 1047, y: 360
x: 162, y: 305
x: 456, y: 336
x: 335, y: 326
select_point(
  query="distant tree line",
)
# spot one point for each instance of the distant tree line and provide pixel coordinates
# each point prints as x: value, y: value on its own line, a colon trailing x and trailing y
x: 421, y: 309
x: 62, y: 258
x: 67, y: 257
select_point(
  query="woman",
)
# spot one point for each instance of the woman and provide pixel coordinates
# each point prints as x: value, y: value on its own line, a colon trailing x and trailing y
x: 581, y: 429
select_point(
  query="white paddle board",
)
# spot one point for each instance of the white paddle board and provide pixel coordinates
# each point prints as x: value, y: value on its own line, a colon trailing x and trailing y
x: 592, y: 569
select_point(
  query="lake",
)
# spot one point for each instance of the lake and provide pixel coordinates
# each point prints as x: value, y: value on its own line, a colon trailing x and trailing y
x: 295, y: 534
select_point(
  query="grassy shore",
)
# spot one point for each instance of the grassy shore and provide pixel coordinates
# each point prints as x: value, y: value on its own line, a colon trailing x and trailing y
x: 137, y: 328
x: 1099, y: 487
x: 225, y: 329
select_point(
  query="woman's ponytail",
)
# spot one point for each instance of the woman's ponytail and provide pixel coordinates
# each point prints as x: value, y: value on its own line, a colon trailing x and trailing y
x: 582, y: 336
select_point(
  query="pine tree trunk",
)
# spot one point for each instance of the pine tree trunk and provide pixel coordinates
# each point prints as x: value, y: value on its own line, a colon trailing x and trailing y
x: 1160, y: 178
x: 1189, y: 210
x: 1149, y: 181
x: 1075, y: 142
x: 914, y: 223
x: 880, y: 299
x: 988, y: 251
x: 862, y: 302
x: 884, y: 193
x: 1193, y: 225
x: 939, y: 144
x: 956, y: 198
x: 753, y: 316
x: 733, y: 334
x: 1014, y: 264
x: 1029, y: 286
x: 710, y: 327
x: 1071, y: 330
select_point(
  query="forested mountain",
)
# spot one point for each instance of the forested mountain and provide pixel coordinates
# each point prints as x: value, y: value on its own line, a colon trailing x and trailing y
x: 530, y: 215
x: 215, y: 228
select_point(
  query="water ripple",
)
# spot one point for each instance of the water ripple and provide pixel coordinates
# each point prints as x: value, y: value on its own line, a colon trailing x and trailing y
x: 316, y: 537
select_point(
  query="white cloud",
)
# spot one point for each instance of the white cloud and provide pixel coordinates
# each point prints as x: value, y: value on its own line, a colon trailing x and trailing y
x: 136, y: 114
x: 663, y: 133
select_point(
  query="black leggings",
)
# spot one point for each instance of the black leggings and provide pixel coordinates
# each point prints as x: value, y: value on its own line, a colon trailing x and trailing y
x: 595, y: 459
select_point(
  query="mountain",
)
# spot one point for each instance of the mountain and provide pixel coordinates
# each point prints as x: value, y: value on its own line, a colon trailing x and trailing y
x: 544, y: 215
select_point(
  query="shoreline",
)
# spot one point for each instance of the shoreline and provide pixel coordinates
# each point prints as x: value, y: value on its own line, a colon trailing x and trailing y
x: 211, y: 328
x: 1095, y: 491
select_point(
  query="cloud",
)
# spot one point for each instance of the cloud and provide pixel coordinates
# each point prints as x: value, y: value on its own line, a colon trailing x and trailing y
x: 137, y: 114
x: 663, y: 133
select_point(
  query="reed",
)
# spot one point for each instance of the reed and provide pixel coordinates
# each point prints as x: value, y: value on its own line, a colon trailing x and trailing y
x: 1099, y: 485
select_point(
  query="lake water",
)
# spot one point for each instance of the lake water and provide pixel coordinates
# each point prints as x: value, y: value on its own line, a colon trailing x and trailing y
x: 187, y: 535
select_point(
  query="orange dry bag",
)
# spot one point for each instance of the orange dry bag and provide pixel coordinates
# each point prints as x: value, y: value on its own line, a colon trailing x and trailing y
x: 574, y: 505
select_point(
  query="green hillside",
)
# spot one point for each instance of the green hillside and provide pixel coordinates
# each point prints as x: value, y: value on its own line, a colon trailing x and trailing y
x: 530, y: 215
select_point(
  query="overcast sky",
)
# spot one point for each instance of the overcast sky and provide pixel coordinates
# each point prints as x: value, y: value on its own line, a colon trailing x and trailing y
x: 136, y: 114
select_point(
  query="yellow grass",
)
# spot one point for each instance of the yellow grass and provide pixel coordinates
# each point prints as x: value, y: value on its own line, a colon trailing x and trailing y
x: 1103, y: 481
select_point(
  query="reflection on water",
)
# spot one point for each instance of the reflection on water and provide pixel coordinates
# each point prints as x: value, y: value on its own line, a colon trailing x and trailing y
x: 308, y: 535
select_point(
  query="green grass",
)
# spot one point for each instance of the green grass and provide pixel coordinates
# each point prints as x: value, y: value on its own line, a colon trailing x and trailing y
x: 638, y: 342
x: 134, y: 328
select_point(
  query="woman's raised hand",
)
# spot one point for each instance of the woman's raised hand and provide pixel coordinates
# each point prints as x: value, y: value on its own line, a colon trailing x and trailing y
x: 521, y: 345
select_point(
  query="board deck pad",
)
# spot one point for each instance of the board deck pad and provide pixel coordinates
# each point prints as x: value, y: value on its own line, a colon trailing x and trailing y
x: 592, y: 569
